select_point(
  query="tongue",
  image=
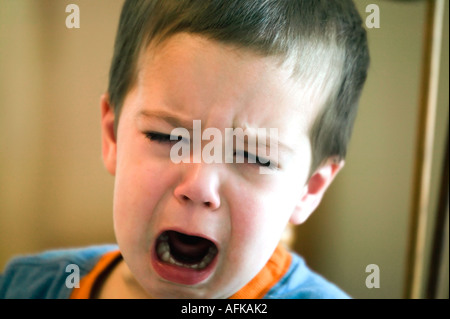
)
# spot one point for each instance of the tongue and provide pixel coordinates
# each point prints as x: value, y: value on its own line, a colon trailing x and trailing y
x: 188, y: 249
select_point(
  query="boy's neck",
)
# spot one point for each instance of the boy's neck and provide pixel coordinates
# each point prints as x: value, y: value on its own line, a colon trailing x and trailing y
x: 119, y: 283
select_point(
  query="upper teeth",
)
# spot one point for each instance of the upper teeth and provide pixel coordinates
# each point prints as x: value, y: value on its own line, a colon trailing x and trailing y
x: 163, y: 251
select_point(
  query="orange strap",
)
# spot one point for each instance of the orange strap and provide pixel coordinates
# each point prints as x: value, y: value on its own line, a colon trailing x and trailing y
x: 273, y: 271
x: 88, y: 281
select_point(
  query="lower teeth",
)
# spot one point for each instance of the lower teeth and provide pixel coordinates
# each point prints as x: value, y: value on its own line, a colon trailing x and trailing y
x: 163, y: 251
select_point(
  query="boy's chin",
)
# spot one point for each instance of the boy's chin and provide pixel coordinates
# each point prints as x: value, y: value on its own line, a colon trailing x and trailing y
x: 163, y: 289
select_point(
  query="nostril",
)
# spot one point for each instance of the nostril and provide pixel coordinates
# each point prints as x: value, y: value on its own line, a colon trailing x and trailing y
x: 186, y: 199
x: 206, y: 200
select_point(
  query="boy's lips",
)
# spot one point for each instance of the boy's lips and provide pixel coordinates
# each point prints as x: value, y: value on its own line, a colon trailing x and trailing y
x: 182, y: 258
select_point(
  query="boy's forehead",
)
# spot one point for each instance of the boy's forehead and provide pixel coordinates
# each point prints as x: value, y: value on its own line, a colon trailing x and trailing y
x: 192, y: 76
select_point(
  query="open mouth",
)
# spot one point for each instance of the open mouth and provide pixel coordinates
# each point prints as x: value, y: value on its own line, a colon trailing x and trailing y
x: 189, y: 252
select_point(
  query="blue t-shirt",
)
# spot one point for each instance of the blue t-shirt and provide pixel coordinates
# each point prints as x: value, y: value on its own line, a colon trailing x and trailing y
x: 44, y: 275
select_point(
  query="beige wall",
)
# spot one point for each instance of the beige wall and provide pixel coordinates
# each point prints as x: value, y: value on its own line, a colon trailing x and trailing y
x: 54, y: 191
x: 364, y: 219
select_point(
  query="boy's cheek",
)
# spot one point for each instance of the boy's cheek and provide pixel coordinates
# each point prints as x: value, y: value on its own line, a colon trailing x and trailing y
x: 253, y: 228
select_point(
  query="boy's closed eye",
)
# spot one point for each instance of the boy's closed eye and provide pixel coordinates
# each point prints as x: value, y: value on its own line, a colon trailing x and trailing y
x: 163, y: 138
x: 243, y: 156
x: 253, y: 159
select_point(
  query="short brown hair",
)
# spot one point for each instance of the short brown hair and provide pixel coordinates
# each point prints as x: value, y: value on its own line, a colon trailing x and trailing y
x: 310, y: 31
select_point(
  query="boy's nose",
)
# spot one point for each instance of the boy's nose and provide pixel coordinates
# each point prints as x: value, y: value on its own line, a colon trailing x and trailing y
x: 199, y: 185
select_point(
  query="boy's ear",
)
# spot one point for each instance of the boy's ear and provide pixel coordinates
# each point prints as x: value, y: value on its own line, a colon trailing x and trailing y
x: 315, y: 189
x: 109, y: 145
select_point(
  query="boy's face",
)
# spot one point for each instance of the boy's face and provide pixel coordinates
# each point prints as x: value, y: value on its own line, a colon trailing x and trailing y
x: 237, y: 214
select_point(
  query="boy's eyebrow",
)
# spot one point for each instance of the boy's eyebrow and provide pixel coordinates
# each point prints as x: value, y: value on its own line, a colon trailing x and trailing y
x: 168, y: 117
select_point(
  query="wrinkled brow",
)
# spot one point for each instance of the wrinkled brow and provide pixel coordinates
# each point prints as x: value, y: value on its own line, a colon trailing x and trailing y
x: 168, y: 117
